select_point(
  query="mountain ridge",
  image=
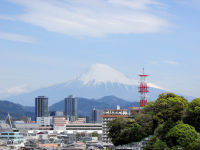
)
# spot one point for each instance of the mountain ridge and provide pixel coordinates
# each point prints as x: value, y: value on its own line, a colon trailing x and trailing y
x: 85, y: 105
x: 15, y: 110
x: 99, y: 80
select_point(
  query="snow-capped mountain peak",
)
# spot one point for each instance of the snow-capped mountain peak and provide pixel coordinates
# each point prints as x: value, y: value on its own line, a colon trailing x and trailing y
x: 101, y: 73
x: 99, y: 80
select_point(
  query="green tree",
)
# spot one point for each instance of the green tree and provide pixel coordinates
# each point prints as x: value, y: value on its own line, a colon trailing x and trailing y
x: 195, y: 145
x: 162, y: 129
x: 182, y: 135
x: 148, y: 109
x: 95, y: 134
x: 150, y: 143
x: 162, y: 115
x: 135, y: 132
x: 193, y: 114
x: 160, y: 145
x: 164, y: 120
x: 156, y: 144
x: 115, y: 127
x: 78, y: 135
x: 166, y: 111
x: 123, y: 131
x: 169, y: 107
x: 146, y: 121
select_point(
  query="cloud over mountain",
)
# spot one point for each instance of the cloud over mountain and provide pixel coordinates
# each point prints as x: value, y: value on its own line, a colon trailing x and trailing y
x: 94, y: 18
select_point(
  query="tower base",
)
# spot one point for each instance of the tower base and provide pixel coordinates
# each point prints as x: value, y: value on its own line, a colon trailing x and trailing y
x: 143, y: 103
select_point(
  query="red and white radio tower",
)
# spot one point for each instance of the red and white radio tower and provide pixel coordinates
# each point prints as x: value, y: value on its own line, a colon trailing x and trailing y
x: 143, y: 89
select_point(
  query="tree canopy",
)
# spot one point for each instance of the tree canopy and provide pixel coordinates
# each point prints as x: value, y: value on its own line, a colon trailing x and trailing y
x: 192, y: 116
x: 123, y: 131
x: 163, y: 120
x: 182, y: 135
x: 169, y: 107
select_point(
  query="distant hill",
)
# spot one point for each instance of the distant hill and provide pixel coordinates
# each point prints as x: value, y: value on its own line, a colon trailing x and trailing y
x: 15, y: 110
x: 85, y: 105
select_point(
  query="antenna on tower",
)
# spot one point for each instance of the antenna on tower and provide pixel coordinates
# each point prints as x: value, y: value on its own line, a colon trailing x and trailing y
x: 143, y: 89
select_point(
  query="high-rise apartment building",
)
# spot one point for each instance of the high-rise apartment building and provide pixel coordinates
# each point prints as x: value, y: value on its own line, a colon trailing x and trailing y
x: 71, y: 108
x: 96, y: 116
x: 110, y: 114
x: 41, y: 107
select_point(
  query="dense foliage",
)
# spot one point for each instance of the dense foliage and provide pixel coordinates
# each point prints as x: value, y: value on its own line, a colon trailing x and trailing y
x: 193, y: 114
x: 170, y: 122
x: 123, y: 130
x: 181, y: 135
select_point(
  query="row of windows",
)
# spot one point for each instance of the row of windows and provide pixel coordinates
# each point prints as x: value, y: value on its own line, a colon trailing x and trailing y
x: 84, y: 126
x: 9, y: 134
x: 115, y: 112
x: 11, y: 137
x: 108, y: 118
x: 83, y: 129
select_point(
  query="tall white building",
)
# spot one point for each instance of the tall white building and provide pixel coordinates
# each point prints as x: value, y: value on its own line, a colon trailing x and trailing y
x: 110, y: 114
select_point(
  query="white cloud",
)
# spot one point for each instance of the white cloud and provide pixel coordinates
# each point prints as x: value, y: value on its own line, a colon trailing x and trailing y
x: 170, y: 62
x: 16, y: 37
x: 94, y: 17
x: 154, y: 62
x: 15, y: 90
x: 193, y: 3
x: 135, y: 4
x: 6, y: 17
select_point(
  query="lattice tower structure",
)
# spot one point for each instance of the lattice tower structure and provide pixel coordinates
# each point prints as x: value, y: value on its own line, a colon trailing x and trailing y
x: 143, y: 89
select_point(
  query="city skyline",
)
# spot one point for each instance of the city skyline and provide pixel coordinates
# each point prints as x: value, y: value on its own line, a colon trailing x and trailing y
x: 41, y: 47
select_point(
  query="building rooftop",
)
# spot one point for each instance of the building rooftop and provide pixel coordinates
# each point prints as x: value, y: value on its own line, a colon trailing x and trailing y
x: 41, y: 97
x: 114, y: 116
x: 115, y: 109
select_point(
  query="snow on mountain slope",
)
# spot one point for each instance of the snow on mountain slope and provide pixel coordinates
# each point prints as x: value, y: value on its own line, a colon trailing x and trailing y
x: 98, y: 81
x: 101, y: 73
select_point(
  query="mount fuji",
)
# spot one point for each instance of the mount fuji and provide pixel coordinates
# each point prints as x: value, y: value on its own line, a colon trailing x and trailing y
x: 98, y: 81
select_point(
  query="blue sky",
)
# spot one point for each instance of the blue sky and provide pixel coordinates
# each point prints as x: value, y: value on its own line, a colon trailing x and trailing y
x: 44, y: 42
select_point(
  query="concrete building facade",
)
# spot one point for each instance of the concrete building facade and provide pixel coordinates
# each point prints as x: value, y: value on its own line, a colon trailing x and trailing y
x: 44, y: 121
x: 96, y: 116
x: 59, y: 123
x: 41, y: 107
x: 110, y: 114
x: 71, y: 108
